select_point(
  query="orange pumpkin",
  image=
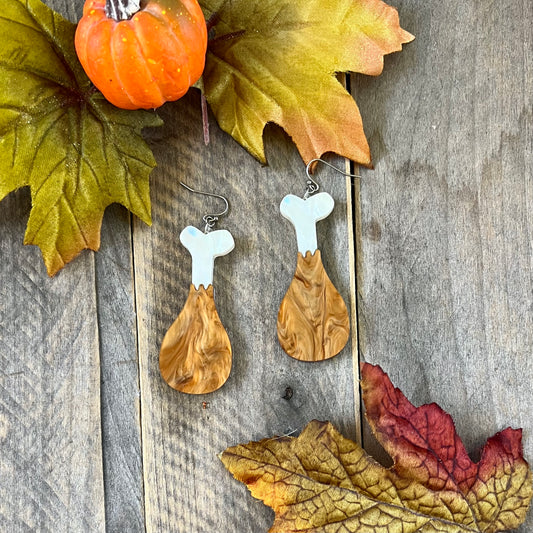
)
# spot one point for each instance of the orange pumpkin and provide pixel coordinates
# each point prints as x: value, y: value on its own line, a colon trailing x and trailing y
x: 144, y: 61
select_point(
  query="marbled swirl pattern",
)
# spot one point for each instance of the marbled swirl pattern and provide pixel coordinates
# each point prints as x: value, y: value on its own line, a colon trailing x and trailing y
x: 195, y: 354
x: 313, y: 322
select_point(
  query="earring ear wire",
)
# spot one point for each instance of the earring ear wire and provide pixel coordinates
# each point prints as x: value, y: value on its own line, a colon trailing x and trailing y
x: 312, y: 185
x: 209, y: 219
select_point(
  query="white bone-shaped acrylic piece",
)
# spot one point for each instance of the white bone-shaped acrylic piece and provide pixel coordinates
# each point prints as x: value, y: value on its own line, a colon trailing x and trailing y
x: 304, y: 214
x: 204, y: 248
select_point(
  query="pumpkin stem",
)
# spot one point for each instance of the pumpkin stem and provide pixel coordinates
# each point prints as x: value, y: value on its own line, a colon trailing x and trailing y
x: 122, y: 9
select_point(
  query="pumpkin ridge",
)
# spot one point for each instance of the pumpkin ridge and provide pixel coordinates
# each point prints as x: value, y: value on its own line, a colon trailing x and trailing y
x: 117, y: 63
x: 86, y: 50
x: 175, y: 43
x: 113, y: 55
x: 174, y: 25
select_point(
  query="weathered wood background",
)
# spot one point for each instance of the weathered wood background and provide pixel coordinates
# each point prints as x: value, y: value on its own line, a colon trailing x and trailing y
x: 440, y: 287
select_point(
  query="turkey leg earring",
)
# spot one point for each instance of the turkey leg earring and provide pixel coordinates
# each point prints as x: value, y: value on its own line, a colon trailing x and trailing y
x: 195, y: 354
x: 313, y: 322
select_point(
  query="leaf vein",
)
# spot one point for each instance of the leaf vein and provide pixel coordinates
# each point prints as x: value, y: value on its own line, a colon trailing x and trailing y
x: 368, y: 497
x: 66, y: 200
x: 37, y: 148
x: 56, y: 44
x: 35, y: 72
x: 240, y: 75
x: 19, y: 23
x: 108, y: 129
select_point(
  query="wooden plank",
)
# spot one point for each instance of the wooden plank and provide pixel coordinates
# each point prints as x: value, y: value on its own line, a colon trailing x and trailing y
x: 120, y: 392
x: 186, y: 487
x: 51, y: 475
x: 445, y: 287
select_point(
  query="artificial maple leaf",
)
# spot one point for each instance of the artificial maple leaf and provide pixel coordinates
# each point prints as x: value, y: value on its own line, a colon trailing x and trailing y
x: 321, y: 482
x: 75, y: 151
x: 275, y: 61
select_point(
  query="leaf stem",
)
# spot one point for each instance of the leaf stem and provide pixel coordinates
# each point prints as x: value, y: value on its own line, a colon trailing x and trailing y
x: 122, y: 9
x: 212, y: 20
x: 205, y: 118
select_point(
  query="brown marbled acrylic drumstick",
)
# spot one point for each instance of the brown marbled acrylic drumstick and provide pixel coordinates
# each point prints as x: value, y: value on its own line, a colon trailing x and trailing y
x: 195, y: 354
x: 313, y: 321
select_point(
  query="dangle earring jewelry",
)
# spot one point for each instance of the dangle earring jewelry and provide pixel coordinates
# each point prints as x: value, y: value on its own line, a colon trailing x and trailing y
x: 195, y: 354
x: 313, y: 322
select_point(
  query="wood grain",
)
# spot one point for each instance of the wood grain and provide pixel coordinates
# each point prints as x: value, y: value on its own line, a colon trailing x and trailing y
x: 120, y: 392
x: 445, y: 241
x: 313, y: 322
x: 51, y: 476
x: 195, y: 355
x: 186, y: 486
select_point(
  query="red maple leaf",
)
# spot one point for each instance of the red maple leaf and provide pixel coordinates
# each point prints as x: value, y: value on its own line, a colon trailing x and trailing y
x: 425, y: 447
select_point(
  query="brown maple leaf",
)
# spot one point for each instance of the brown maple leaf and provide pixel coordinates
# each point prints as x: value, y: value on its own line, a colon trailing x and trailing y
x: 321, y: 482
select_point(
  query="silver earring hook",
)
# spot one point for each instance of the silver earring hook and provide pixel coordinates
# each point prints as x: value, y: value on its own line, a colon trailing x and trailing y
x: 311, y: 185
x: 210, y: 219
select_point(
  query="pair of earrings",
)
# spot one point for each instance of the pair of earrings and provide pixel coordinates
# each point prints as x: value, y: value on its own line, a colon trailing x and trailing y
x: 313, y: 322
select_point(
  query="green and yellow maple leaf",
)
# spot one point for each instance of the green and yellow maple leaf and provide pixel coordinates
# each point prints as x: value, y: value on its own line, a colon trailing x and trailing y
x: 276, y: 60
x: 321, y: 482
x: 76, y: 152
